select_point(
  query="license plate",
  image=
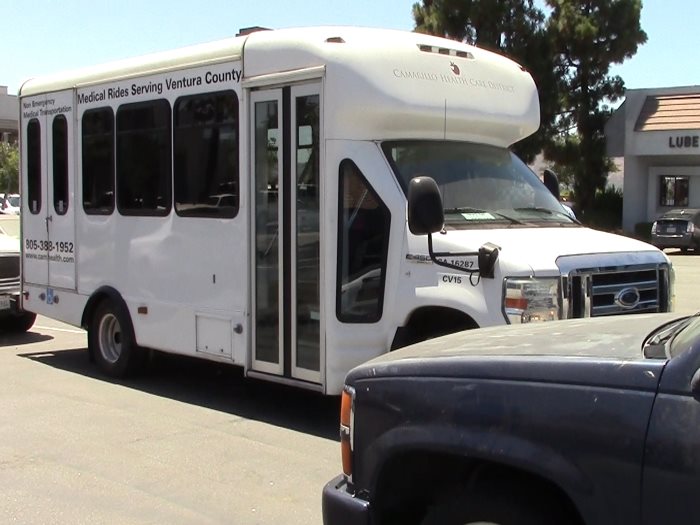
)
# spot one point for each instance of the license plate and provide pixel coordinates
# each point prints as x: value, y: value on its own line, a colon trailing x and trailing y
x: 671, y: 229
x: 4, y: 302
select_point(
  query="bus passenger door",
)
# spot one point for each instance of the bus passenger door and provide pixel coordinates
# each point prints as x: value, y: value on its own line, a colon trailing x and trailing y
x: 60, y: 204
x: 47, y: 216
x: 35, y: 238
x: 285, y: 157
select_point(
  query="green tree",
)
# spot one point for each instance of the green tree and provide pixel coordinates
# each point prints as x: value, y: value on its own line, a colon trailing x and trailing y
x: 588, y: 36
x: 515, y: 28
x: 9, y: 168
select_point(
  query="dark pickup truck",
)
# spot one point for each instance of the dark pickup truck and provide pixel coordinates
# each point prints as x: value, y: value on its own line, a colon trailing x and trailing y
x: 577, y: 422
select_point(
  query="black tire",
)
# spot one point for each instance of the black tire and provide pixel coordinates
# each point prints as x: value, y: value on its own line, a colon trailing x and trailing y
x: 111, y: 340
x: 495, y: 506
x: 18, y: 323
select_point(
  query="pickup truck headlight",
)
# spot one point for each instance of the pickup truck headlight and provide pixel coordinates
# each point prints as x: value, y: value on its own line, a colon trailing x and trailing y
x: 347, y: 419
x: 526, y: 300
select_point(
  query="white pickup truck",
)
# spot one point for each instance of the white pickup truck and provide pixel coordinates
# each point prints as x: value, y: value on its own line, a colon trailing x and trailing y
x: 12, y: 317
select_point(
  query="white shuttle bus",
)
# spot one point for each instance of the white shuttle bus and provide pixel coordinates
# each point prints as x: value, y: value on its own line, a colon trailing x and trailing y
x: 247, y: 201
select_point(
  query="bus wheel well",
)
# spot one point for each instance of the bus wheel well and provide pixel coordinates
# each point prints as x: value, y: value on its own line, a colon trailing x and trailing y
x: 100, y: 295
x: 431, y: 321
x: 443, y: 475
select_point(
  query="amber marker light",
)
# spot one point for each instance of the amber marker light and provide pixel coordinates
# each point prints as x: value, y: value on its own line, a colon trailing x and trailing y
x: 347, y: 402
x: 517, y: 303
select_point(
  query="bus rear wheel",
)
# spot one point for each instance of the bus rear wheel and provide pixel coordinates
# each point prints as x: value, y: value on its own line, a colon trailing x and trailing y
x: 111, y: 339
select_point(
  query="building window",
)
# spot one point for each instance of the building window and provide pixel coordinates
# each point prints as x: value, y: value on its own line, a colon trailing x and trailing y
x: 363, y: 246
x: 98, y: 161
x: 206, y: 155
x: 60, y: 164
x: 144, y: 178
x: 34, y: 166
x: 673, y: 191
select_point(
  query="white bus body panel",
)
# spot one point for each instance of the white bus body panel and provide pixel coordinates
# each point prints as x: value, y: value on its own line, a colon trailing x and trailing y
x: 404, y: 92
x: 188, y: 282
x: 188, y: 275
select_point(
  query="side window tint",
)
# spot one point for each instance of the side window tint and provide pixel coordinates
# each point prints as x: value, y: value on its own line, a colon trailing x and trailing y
x: 144, y: 158
x: 34, y: 166
x: 60, y: 164
x: 98, y: 161
x: 363, y: 242
x: 206, y: 155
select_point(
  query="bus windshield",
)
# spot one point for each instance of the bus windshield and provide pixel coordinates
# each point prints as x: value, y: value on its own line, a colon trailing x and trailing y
x: 479, y: 183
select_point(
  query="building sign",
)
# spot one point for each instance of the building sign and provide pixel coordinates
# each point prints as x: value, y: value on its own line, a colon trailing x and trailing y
x: 684, y: 141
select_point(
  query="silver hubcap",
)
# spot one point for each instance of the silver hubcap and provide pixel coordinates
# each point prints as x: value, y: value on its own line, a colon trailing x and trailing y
x: 110, y: 336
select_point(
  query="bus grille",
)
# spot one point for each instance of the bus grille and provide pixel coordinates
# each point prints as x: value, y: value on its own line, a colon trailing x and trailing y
x: 593, y: 293
x: 9, y: 273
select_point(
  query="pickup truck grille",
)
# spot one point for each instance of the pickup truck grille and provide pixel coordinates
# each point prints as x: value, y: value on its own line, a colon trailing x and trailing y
x: 9, y: 273
x: 597, y: 292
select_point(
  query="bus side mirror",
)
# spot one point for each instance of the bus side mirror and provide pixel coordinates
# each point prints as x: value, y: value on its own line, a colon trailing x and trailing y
x: 551, y: 181
x: 425, y: 213
x: 488, y: 255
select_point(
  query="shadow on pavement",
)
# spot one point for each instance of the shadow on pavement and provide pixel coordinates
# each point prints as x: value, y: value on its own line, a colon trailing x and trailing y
x: 215, y: 386
x: 23, y: 338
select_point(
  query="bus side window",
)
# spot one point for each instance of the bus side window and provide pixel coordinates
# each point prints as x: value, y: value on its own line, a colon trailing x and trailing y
x: 144, y: 177
x: 206, y: 155
x: 98, y: 161
x: 34, y: 166
x: 60, y: 164
x: 363, y: 243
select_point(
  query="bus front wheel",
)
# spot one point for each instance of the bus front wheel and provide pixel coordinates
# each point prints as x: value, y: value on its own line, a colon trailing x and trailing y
x: 111, y: 339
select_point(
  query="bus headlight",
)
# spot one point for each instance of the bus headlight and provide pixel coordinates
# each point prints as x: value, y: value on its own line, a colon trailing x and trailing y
x: 527, y: 300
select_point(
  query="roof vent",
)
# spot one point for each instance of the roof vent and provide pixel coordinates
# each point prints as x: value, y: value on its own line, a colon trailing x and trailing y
x: 445, y: 51
x: 335, y: 40
x: 243, y: 31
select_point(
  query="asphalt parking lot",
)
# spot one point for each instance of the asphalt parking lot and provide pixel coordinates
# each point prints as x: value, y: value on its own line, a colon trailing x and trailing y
x: 687, y: 284
x: 186, y: 443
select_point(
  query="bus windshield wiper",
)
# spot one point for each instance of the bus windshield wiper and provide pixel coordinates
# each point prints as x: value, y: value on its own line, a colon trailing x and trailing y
x: 536, y: 208
x: 496, y: 214
x: 540, y: 209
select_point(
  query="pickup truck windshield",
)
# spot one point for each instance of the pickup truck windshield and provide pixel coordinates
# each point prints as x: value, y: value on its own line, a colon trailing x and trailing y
x: 479, y: 183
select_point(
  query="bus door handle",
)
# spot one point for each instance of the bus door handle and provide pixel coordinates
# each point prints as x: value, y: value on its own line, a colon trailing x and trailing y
x: 48, y: 219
